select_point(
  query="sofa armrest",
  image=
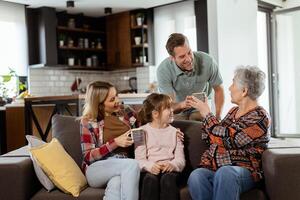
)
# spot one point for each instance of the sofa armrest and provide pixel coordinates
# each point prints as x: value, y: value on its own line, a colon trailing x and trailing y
x: 282, y: 173
x: 18, y: 180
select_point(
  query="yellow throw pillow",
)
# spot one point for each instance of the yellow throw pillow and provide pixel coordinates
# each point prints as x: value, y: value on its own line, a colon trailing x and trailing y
x: 60, y: 167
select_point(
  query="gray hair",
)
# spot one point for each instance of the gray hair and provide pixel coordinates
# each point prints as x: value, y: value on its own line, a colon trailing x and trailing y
x: 250, y: 77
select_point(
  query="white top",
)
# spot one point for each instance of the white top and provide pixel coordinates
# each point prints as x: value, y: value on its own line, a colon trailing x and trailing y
x: 161, y: 145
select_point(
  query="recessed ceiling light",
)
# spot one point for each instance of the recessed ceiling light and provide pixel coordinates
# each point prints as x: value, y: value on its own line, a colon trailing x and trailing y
x: 70, y: 4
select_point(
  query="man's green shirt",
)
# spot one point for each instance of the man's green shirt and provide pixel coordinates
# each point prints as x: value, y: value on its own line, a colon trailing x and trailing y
x: 205, y: 75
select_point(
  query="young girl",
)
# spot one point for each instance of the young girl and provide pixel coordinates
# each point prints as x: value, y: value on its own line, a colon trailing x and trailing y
x: 161, y: 156
x: 104, y: 141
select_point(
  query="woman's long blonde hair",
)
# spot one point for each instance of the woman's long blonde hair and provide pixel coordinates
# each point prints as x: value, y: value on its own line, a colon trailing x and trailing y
x: 96, y: 94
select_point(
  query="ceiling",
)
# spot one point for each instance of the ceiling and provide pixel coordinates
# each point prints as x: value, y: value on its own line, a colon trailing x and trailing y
x: 95, y: 7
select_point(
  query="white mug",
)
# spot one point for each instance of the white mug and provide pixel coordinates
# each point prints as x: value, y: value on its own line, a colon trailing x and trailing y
x: 137, y: 40
x: 71, y: 61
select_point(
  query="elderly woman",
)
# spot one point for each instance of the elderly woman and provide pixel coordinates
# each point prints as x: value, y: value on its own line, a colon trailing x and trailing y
x: 232, y: 164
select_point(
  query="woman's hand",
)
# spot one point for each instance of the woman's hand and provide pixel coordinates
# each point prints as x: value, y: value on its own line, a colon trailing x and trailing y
x: 201, y: 106
x: 180, y: 135
x: 124, y: 140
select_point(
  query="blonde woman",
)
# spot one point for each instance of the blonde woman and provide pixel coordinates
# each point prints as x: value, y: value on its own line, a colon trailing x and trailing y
x: 105, y: 142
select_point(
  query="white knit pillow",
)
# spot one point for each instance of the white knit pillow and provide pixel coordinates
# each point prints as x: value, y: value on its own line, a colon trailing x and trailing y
x: 43, y: 178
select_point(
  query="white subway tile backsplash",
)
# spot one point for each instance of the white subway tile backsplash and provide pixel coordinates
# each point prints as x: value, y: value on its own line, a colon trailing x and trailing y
x: 58, y: 82
x: 53, y: 78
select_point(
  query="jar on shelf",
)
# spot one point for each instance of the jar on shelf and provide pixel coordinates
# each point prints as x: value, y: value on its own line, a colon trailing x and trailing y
x: 99, y: 45
x: 86, y: 43
x: 94, y: 61
x: 71, y: 23
x: 88, y: 62
x: 70, y: 42
x: 71, y: 61
x: 80, y: 42
x: 93, y: 45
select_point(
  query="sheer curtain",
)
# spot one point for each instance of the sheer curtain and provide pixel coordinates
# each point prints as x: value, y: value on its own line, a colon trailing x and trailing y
x: 13, y: 40
x: 178, y: 17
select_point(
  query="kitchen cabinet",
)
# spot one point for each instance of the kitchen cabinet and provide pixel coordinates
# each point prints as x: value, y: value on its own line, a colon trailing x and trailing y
x: 118, y: 40
x: 130, y: 41
x: 81, y: 41
x: 139, y: 38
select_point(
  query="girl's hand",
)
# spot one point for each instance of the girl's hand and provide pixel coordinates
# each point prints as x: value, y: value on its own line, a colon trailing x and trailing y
x: 201, y: 106
x: 156, y: 168
x: 180, y: 135
x: 167, y: 167
x: 124, y: 140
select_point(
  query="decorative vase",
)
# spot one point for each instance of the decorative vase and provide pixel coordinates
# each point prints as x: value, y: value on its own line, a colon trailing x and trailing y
x: 137, y: 40
x: 139, y: 21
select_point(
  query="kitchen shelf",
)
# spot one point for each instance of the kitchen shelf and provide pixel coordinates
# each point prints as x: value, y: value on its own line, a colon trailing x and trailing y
x: 139, y: 27
x: 81, y: 67
x: 80, y: 49
x: 145, y: 45
x: 84, y: 41
x: 139, y: 64
x: 81, y: 30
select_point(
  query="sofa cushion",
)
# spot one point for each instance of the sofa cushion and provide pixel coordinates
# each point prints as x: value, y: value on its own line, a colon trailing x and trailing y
x: 86, y: 194
x: 17, y: 178
x: 43, y: 178
x: 193, y: 144
x: 60, y: 167
x: 281, y: 168
x: 67, y: 131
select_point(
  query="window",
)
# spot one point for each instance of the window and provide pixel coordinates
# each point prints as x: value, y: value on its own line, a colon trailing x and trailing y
x: 178, y: 17
x: 287, y: 74
x: 13, y: 40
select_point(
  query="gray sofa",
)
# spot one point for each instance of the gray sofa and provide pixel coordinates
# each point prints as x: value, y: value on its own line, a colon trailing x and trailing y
x: 18, y: 180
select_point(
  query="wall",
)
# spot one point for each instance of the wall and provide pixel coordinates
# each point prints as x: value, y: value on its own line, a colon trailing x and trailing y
x: 49, y: 81
x: 145, y: 77
x: 291, y: 3
x: 232, y: 37
x: 178, y: 17
x: 275, y: 2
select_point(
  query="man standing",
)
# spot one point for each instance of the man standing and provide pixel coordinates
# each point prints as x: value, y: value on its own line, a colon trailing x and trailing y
x: 186, y: 72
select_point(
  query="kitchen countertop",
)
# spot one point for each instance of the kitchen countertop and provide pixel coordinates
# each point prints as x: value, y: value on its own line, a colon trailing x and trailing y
x: 129, y: 99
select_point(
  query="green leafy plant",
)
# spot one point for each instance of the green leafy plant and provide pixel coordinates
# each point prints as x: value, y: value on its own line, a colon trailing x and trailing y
x: 6, y: 85
x: 140, y: 15
x: 61, y: 37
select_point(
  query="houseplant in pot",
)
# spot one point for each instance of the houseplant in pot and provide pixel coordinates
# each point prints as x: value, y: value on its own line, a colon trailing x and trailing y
x: 139, y: 19
x: 10, y: 86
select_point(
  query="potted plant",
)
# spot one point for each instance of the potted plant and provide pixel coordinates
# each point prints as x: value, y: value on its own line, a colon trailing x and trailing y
x: 61, y: 39
x: 10, y: 86
x: 139, y: 19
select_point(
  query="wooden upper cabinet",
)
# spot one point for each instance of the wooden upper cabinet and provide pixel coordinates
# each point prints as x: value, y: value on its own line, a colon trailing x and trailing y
x: 118, y: 40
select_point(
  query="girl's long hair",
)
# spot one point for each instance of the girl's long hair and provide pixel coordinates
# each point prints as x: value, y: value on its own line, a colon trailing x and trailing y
x: 154, y: 102
x: 96, y: 94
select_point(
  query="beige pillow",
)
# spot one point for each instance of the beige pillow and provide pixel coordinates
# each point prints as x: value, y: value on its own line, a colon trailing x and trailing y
x: 43, y: 178
x: 60, y: 167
